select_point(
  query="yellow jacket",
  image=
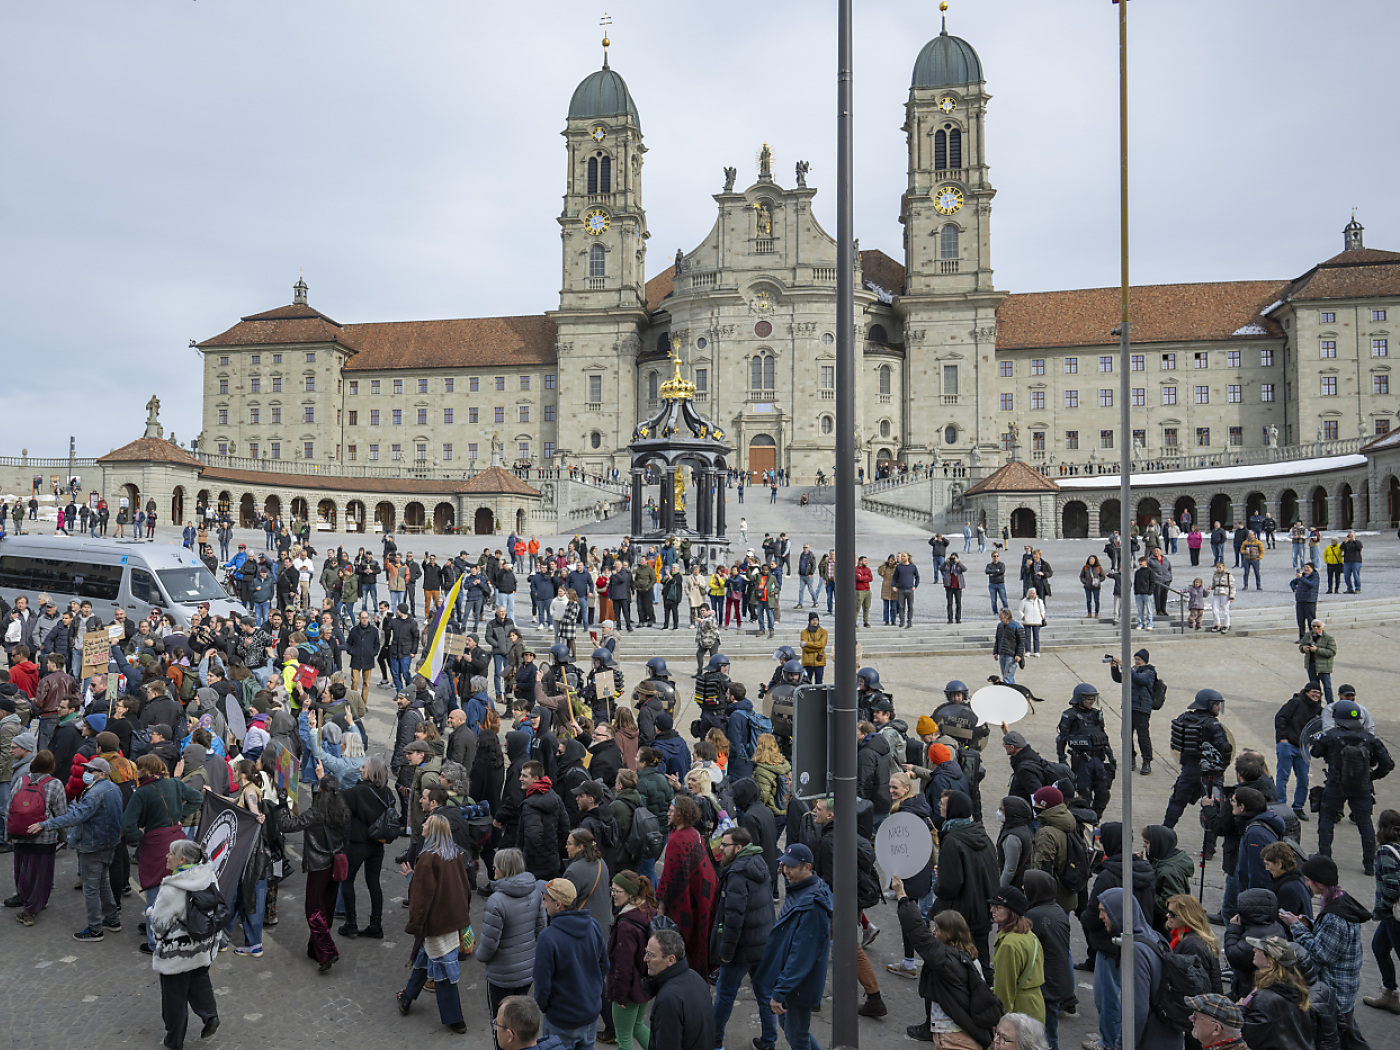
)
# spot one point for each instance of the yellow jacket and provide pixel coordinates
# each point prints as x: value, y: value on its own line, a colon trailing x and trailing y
x: 814, y: 647
x: 1332, y: 553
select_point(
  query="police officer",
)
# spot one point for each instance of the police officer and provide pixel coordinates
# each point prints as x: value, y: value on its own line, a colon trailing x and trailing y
x: 958, y: 723
x: 780, y: 658
x: 1082, y: 733
x: 1355, y: 759
x: 597, y: 694
x: 561, y: 671
x: 660, y: 675
x: 1204, y: 747
x: 868, y: 691
x: 711, y: 696
x: 778, y: 704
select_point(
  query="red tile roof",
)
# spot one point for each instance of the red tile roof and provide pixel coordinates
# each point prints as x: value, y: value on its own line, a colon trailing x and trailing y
x: 880, y: 270
x: 498, y: 480
x: 1016, y: 476
x: 150, y: 450
x: 286, y: 324
x: 1361, y: 273
x: 1160, y: 313
x: 471, y: 342
x: 660, y: 286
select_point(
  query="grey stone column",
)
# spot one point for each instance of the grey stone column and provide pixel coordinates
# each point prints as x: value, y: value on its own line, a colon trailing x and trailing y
x: 720, y: 483
x: 636, y: 501
x: 668, y: 496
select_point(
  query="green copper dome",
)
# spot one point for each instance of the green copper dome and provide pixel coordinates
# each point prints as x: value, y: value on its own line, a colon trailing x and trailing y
x: 603, y: 94
x: 946, y: 61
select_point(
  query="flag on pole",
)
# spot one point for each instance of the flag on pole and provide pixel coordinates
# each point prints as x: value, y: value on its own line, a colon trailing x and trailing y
x: 228, y: 834
x: 431, y: 667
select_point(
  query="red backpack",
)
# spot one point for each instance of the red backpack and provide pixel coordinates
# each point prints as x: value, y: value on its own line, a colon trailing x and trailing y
x: 27, y: 805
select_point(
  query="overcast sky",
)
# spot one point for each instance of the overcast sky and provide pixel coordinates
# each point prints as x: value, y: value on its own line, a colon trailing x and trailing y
x: 172, y: 164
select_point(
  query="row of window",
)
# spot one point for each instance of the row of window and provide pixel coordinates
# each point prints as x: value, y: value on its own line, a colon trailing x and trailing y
x: 274, y: 449
x: 1234, y: 395
x: 449, y: 415
x: 420, y: 451
x: 1170, y: 438
x: 1379, y: 348
x: 449, y: 384
x: 1330, y: 316
x: 256, y: 359
x: 1200, y: 359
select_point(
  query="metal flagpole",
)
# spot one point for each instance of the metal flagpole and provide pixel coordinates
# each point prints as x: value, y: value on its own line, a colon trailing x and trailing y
x: 844, y: 1032
x: 1125, y: 557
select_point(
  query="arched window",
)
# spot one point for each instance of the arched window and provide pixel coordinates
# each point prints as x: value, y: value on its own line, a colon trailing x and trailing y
x: 605, y: 175
x: 653, y: 386
x: 884, y: 379
x: 884, y: 428
x: 948, y: 242
x: 940, y: 150
x: 828, y: 424
x: 761, y: 372
x: 592, y: 174
x: 597, y: 264
x: 950, y: 435
x: 955, y: 149
x: 877, y: 334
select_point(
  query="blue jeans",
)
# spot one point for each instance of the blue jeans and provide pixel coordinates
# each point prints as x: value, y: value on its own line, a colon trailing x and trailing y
x: 449, y: 1003
x: 580, y: 1038
x: 369, y: 597
x: 830, y: 597
x: 1326, y: 681
x: 1217, y: 553
x: 647, y: 866
x: 1315, y: 556
x: 765, y: 615
x: 498, y: 670
x: 399, y: 669
x: 252, y: 924
x: 1255, y: 566
x: 1292, y: 760
x: 150, y: 903
x: 938, y: 567
x: 1034, y: 628
x: 1385, y: 940
x: 94, y: 869
x: 804, y: 584
x: 727, y: 982
x: 1106, y: 992
x: 998, y: 590
x: 508, y: 601
x: 889, y: 605
x: 1300, y: 555
x: 967, y: 543
x: 797, y: 1025
x: 1351, y: 573
x: 1091, y: 599
x: 1008, y: 669
x: 1229, y: 902
x: 1145, y: 609
x: 1052, y: 1022
x: 260, y: 611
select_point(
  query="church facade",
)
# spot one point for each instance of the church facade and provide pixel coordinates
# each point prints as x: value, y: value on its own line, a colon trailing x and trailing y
x: 949, y: 368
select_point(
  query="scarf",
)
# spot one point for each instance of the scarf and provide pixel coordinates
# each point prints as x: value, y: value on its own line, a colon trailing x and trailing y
x: 539, y: 787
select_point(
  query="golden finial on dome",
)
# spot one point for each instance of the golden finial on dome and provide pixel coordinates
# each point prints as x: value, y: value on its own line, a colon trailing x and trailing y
x: 677, y: 388
x: 943, y: 6
x: 605, y: 21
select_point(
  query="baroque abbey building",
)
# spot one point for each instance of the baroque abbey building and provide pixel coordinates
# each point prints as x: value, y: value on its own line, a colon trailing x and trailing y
x: 947, y: 362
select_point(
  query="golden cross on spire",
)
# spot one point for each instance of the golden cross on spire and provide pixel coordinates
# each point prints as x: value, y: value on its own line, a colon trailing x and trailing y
x: 605, y: 21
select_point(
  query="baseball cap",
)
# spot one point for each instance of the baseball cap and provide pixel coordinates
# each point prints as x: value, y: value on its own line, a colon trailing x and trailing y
x: 1276, y: 948
x: 885, y: 705
x: 796, y: 854
x: 1014, y: 739
x: 562, y: 890
x: 592, y: 788
x: 99, y: 765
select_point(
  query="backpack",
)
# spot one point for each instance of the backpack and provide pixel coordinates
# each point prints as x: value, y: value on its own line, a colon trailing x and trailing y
x: 1354, y: 768
x: 644, y: 839
x: 782, y: 793
x: 1182, y: 976
x: 1292, y: 830
x: 868, y: 892
x: 756, y: 724
x: 386, y: 827
x: 206, y: 912
x: 1078, y: 860
x: 27, y: 805
x: 1159, y: 693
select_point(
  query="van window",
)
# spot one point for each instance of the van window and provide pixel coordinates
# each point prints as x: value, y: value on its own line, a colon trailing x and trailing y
x: 190, y: 585
x: 57, y: 576
x: 143, y: 587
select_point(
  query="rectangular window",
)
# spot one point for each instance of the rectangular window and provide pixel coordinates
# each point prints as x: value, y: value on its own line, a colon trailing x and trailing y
x: 1007, y: 402
x: 1266, y: 358
x: 396, y: 453
x: 310, y: 384
x: 1329, y: 348
x: 223, y: 386
x: 420, y: 452
x: 1037, y: 441
x: 829, y: 376
x: 224, y: 360
x: 473, y: 415
x: 1202, y: 395
x: 1380, y: 384
x: 397, y: 417
x: 256, y: 359
x: 1232, y: 359
x: 1139, y: 363
x: 1004, y: 369
x: 447, y: 416
x: 702, y: 380
x: 449, y: 385
x: 1329, y: 386
x: 1106, y: 397
x: 1037, y: 399
x: 595, y: 389
x: 374, y: 452
x: 1329, y: 430
x: 1006, y: 441
x: 500, y: 382
x: 276, y: 359
x: 1237, y: 436
x: 253, y: 415
x: 549, y: 413
x: 1071, y: 366
x: 374, y: 387
x: 471, y: 450
x: 277, y: 416
x: 1071, y: 439
x: 1266, y: 391
x: 1139, y: 439
x: 1105, y: 364
x: 1168, y: 395
x: 446, y: 453
x: 548, y: 449
x: 950, y: 380
x: 1169, y: 362
x: 524, y: 382
x: 422, y: 386
x: 398, y: 386
x: 374, y: 417
x: 275, y: 449
x: 1382, y: 427
x: 1202, y: 359
x: 1327, y: 317
x: 1139, y: 396
x: 308, y: 450
x: 422, y: 417
x: 1105, y: 439
x: 473, y: 384
x: 352, y: 453
x: 223, y: 417
x: 253, y: 449
x: 524, y: 449
x: 1376, y: 315
x: 1380, y: 348
x: 1071, y: 399
x: 1037, y: 366
x: 524, y: 413
x: 1203, y: 437
x: 309, y: 414
x: 276, y: 384
x: 1232, y: 394
x: 255, y: 385
x: 500, y: 416
x: 1169, y: 437
x: 311, y: 357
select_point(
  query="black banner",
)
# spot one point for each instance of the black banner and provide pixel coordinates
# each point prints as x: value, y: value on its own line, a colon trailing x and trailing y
x: 228, y: 834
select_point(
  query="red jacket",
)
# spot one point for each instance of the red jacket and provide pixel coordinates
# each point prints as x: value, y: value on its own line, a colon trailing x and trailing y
x: 863, y: 578
x: 25, y: 677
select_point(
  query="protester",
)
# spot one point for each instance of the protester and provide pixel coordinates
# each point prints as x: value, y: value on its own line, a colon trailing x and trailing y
x: 183, y: 956
x: 626, y: 988
x: 681, y: 1014
x: 326, y: 822
x: 36, y: 797
x: 439, y: 909
x: 571, y: 966
x: 792, y: 973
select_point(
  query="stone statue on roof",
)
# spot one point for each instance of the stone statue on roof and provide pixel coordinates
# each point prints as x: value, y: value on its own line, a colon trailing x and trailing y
x: 730, y: 174
x: 152, y: 408
x: 802, y: 168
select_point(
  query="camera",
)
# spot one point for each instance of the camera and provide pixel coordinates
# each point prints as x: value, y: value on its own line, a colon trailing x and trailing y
x: 1107, y: 658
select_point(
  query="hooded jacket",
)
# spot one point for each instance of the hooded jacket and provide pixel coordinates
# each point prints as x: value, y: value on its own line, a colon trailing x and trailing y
x: 544, y: 829
x: 745, y: 909
x: 950, y: 977
x: 1151, y: 1032
x: 512, y: 922
x: 795, y: 959
x: 757, y: 819
x: 1334, y: 942
x: 1258, y: 910
x: 571, y: 964
x: 175, y: 950
x: 1027, y: 774
x: 1293, y: 717
x: 1050, y: 848
x: 967, y: 866
x: 602, y: 825
x: 1292, y: 893
x: 873, y: 772
x: 1050, y: 923
x: 1111, y: 876
x: 1172, y: 866
x: 1014, y: 840
x: 627, y: 943
x: 1260, y: 830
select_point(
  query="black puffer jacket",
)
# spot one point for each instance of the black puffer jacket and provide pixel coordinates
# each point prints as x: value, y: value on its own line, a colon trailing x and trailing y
x: 745, y: 909
x: 950, y: 978
x: 1027, y: 773
x: 1193, y: 944
x: 873, y: 772
x: 967, y: 867
x: 1111, y: 875
x: 1274, y: 1020
x: 544, y: 829
x: 757, y: 819
x: 1258, y: 918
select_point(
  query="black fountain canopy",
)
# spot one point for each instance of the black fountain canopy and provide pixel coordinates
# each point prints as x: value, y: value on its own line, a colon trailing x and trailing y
x: 678, y: 418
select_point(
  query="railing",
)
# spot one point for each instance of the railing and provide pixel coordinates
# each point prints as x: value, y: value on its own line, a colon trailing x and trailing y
x: 593, y: 406
x: 914, y: 476
x: 30, y: 461
x: 950, y: 175
x: 600, y: 198
x: 702, y: 397
x: 828, y: 395
x: 884, y: 398
x: 702, y: 280
x: 947, y: 265
x: 597, y: 283
x: 950, y: 399
x: 823, y: 273
x: 1173, y: 460
x: 763, y: 245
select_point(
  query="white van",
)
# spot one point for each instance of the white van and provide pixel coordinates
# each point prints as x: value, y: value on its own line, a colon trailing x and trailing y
x: 111, y: 573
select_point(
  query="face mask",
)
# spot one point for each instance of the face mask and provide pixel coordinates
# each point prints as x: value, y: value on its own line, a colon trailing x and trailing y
x: 1001, y: 817
x: 88, y: 778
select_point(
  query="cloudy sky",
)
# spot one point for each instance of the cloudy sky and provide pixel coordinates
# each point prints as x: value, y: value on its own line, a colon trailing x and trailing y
x: 173, y: 164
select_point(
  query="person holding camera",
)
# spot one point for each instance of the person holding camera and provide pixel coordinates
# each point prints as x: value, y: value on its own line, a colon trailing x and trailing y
x: 1144, y: 677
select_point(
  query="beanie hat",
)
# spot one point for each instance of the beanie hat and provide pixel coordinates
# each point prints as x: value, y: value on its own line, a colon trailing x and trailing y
x: 939, y: 754
x: 1047, y: 797
x: 1322, y: 870
x: 1144, y: 655
x: 1011, y: 897
x: 96, y: 722
x: 26, y: 741
x: 959, y: 805
x: 925, y: 726
x: 330, y: 734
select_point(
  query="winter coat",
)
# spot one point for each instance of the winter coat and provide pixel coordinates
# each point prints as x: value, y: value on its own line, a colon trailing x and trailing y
x: 1258, y: 910
x: 1274, y: 1020
x: 655, y: 790
x: 950, y: 978
x: 627, y: 968
x: 1334, y: 942
x: 1050, y: 924
x: 506, y: 933
x: 765, y: 775
x: 571, y: 964
x: 1305, y: 587
x: 1292, y: 893
x: 1027, y: 774
x: 544, y: 829
x: 1293, y: 717
x: 757, y: 819
x: 1050, y: 848
x: 1144, y: 679
x: 1320, y: 662
x: 1260, y: 830
x: 175, y: 950
x: 1019, y: 972
x: 795, y: 960
x: 591, y: 879
x: 1191, y: 943
x: 1014, y: 840
x: 439, y: 896
x: 745, y: 913
x: 363, y: 645
x: 97, y: 814
x: 401, y: 635
x: 919, y: 884
x: 1110, y: 876
x: 689, y: 891
x: 1151, y: 1032
x: 322, y: 839
x: 967, y: 874
x: 873, y: 772
x: 682, y: 1016
x: 1173, y: 868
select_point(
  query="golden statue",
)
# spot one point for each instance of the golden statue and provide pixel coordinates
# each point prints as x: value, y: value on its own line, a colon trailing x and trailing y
x: 678, y: 489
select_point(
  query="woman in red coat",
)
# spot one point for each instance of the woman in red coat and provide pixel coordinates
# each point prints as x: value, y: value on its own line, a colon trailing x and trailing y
x: 689, y: 890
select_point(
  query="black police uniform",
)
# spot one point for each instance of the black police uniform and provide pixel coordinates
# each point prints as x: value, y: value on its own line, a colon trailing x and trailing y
x: 1204, y: 746
x: 957, y: 720
x: 1355, y: 759
x: 1082, y: 733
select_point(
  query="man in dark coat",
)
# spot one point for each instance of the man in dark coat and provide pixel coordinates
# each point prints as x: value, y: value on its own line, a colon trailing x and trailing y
x: 507, y: 817
x: 745, y: 921
x: 681, y: 1015
x: 1027, y: 767
x: 873, y: 770
x: 968, y: 875
x: 461, y: 741
x: 596, y: 817
x: 544, y: 825
x: 757, y: 819
x: 605, y: 757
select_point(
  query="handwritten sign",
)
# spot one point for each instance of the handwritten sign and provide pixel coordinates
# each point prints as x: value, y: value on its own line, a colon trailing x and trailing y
x: 903, y: 845
x: 97, y: 647
x: 454, y: 644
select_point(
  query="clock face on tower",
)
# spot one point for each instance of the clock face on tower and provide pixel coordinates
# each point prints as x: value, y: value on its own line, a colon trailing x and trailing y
x: 946, y: 104
x: 948, y: 200
x: 597, y: 221
x: 599, y: 134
